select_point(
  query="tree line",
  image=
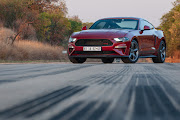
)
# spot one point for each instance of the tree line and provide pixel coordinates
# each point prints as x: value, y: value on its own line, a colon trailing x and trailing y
x: 170, y: 24
x: 44, y: 20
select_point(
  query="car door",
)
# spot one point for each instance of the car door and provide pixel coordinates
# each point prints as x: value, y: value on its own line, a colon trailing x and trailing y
x: 147, y: 38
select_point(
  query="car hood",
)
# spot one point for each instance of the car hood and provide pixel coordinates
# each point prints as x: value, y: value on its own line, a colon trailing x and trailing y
x: 103, y: 33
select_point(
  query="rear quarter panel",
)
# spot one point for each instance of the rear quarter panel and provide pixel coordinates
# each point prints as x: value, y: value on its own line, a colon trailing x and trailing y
x: 160, y: 37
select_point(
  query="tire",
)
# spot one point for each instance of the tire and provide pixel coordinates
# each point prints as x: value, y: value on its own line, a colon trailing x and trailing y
x: 161, y: 53
x: 134, y: 53
x: 107, y: 60
x: 77, y: 60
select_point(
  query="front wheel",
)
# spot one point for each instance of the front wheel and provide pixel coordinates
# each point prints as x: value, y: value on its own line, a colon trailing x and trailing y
x: 161, y: 53
x: 134, y: 53
x: 77, y: 60
x: 107, y: 60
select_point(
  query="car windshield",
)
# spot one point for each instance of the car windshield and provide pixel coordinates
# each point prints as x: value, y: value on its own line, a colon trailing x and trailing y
x: 115, y: 24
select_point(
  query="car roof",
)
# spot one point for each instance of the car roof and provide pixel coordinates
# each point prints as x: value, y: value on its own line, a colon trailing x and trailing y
x: 122, y: 18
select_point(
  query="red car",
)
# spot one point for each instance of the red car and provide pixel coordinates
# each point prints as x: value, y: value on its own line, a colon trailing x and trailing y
x: 127, y: 38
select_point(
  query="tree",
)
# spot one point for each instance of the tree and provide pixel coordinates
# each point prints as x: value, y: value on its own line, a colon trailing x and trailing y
x: 11, y: 10
x: 47, y: 18
x: 52, y: 27
x: 76, y: 24
x: 16, y: 15
x: 170, y: 24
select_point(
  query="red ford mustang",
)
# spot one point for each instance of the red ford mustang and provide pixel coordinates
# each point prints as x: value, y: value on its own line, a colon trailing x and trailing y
x: 127, y: 38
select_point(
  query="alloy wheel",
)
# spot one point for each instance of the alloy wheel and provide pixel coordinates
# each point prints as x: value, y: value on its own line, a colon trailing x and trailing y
x: 134, y: 51
x: 163, y: 52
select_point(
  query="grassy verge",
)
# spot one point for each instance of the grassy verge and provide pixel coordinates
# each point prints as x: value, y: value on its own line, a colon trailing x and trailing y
x: 168, y: 60
x: 34, y: 61
x: 27, y: 50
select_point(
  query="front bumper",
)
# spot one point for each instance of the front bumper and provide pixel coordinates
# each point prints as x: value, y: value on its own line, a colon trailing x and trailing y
x: 117, y: 50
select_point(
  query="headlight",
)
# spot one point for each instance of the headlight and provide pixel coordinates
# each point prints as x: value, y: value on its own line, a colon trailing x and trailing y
x: 124, y: 39
x: 72, y: 39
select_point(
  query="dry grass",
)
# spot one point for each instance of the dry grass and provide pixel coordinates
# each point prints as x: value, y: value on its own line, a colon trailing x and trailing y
x: 27, y: 50
x: 175, y: 58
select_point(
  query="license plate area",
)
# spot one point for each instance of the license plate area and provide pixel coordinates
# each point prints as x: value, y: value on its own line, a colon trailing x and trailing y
x: 91, y: 48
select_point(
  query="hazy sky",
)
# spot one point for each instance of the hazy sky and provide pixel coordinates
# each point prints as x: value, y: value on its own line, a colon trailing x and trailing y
x: 92, y: 10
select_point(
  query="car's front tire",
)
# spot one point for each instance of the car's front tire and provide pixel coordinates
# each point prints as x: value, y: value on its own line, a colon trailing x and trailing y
x: 134, y: 53
x: 161, y: 53
x: 107, y: 60
x: 77, y: 60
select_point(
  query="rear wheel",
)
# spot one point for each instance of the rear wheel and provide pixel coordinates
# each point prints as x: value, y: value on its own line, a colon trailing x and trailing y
x: 77, y: 60
x: 161, y: 53
x: 107, y: 60
x: 134, y: 53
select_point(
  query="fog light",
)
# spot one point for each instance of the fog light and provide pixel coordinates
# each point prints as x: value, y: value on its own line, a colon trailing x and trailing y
x: 70, y: 50
x: 71, y: 47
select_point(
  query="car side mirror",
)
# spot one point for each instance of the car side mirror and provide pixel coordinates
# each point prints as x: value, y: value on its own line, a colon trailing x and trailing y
x: 146, y: 27
x: 84, y: 28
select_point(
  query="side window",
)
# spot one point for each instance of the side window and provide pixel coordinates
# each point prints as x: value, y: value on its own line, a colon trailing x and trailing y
x: 143, y: 23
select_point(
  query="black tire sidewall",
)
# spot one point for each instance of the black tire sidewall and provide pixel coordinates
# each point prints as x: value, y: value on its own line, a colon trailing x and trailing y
x: 127, y: 59
x: 159, y: 59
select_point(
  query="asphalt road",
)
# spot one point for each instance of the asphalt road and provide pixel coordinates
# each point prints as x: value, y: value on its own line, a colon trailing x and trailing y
x: 90, y: 91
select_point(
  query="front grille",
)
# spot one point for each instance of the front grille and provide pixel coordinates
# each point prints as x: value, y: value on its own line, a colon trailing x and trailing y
x: 94, y: 52
x: 93, y: 42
